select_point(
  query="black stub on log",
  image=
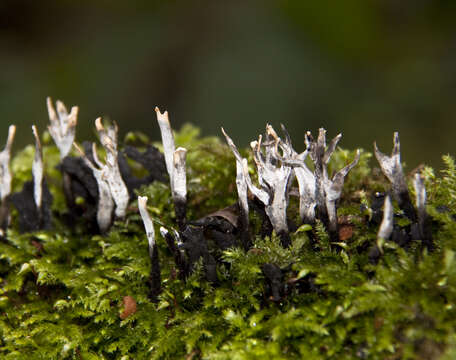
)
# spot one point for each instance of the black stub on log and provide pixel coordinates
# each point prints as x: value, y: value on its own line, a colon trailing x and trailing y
x: 285, y: 239
x: 4, y: 216
x: 221, y: 227
x: 378, y: 199
x: 195, y: 245
x: 274, y: 280
x: 266, y: 226
x: 179, y: 258
x: 30, y: 217
x: 374, y: 254
x: 151, y: 159
x: 82, y: 185
x: 401, y: 236
x: 405, y: 203
x: 180, y: 208
x: 154, y: 282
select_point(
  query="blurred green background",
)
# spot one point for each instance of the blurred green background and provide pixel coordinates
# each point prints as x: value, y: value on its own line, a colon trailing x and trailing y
x: 365, y: 68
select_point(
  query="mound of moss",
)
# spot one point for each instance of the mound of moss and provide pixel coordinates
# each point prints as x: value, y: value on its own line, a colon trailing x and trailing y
x: 70, y: 292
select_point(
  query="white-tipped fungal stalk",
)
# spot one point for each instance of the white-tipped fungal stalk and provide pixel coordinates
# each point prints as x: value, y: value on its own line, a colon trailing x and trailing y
x: 327, y: 191
x: 392, y: 168
x: 273, y: 180
x: 155, y: 273
x: 320, y: 157
x: 386, y: 227
x: 148, y: 224
x: 391, y: 165
x: 5, y: 171
x: 333, y: 190
x: 164, y: 232
x: 175, y: 160
x: 179, y: 189
x: 305, y: 177
x: 424, y: 226
x: 420, y: 191
x: 111, y: 171
x: 37, y: 170
x: 167, y: 140
x: 63, y: 125
x: 105, y: 205
x: 241, y: 185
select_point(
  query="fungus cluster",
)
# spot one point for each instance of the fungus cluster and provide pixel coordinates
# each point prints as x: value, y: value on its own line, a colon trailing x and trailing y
x: 420, y: 228
x: 276, y: 168
x: 107, y: 187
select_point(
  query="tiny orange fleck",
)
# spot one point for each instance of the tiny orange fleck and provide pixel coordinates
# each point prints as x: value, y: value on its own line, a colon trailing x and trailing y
x: 130, y: 307
x: 345, y: 232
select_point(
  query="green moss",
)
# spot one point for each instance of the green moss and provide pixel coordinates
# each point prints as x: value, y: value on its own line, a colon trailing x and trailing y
x: 61, y: 290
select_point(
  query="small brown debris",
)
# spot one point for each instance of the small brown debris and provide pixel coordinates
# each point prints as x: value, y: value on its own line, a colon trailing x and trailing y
x: 37, y: 245
x: 255, y: 251
x: 130, y: 307
x: 378, y: 323
x: 192, y: 355
x: 229, y: 213
x: 345, y: 232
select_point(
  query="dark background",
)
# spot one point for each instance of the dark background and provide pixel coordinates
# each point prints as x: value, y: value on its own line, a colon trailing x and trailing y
x: 365, y: 68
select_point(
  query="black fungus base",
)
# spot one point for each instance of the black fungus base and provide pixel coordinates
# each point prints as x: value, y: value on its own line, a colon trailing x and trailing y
x: 30, y: 217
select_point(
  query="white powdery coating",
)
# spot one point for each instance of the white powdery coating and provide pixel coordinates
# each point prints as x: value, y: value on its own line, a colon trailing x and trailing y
x: 179, y: 178
x: 305, y: 177
x: 420, y: 191
x: 327, y: 191
x: 63, y: 125
x: 241, y: 182
x: 111, y: 171
x: 5, y: 171
x: 148, y: 224
x: 167, y: 140
x: 105, y: 204
x: 273, y: 181
x: 333, y: 190
x: 263, y: 196
x: 306, y: 185
x: 163, y: 232
x: 241, y: 186
x: 37, y: 170
x: 386, y: 227
x: 174, y: 158
x: 391, y: 165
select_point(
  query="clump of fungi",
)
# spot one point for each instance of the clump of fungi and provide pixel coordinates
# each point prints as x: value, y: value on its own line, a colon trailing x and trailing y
x: 420, y: 228
x: 278, y: 164
x: 107, y: 187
